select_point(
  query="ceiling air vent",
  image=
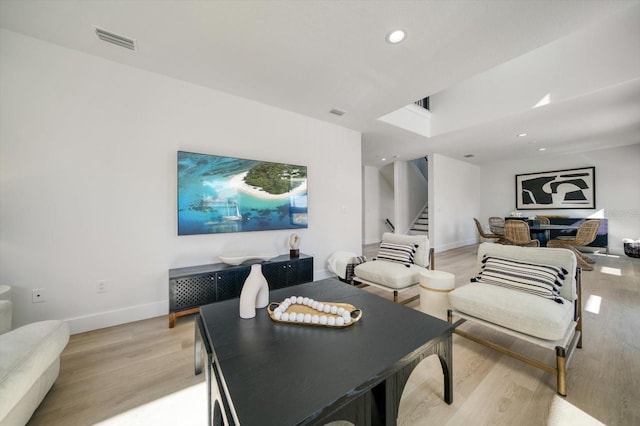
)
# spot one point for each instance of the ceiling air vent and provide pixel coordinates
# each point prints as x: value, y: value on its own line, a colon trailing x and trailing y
x: 337, y: 112
x: 116, y: 39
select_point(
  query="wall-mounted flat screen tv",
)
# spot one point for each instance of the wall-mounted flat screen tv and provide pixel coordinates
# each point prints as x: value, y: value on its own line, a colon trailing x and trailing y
x: 226, y: 194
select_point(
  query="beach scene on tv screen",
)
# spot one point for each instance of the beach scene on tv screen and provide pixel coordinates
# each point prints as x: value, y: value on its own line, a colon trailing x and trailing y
x: 219, y: 194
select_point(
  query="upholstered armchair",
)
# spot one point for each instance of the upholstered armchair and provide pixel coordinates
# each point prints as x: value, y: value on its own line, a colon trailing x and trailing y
x: 395, y: 269
x: 532, y: 294
x: 29, y: 364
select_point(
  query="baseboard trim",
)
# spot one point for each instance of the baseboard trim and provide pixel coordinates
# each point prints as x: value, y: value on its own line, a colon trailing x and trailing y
x: 117, y: 316
x: 454, y: 245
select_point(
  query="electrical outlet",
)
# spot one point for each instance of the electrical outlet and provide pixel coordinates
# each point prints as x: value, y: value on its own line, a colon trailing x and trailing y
x: 102, y: 286
x: 38, y: 295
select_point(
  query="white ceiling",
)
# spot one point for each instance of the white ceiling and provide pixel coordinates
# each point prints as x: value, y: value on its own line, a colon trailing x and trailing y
x: 312, y: 56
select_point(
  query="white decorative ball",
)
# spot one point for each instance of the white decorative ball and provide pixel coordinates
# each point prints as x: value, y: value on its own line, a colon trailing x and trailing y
x: 334, y: 309
x: 293, y: 300
x: 341, y: 311
x: 331, y: 321
x: 314, y: 305
x: 307, y: 318
x: 326, y: 309
x: 300, y: 317
x: 323, y: 319
x: 305, y: 301
x: 311, y: 301
x: 285, y: 316
x: 315, y: 319
x: 340, y: 321
x: 320, y: 307
x: 299, y: 300
x: 346, y: 319
x: 277, y: 314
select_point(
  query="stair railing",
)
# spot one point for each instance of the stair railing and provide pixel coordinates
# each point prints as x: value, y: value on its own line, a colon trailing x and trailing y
x: 390, y: 225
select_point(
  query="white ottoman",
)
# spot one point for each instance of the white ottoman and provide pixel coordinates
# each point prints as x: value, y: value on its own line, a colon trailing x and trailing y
x: 434, y: 292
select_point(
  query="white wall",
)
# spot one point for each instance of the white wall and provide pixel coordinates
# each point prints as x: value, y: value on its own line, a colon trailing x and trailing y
x: 454, y: 200
x: 617, y: 189
x: 88, y: 181
x: 410, y: 195
x: 378, y: 205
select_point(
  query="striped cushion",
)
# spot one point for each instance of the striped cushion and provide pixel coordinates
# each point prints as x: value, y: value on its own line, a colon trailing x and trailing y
x: 401, y: 253
x: 534, y: 278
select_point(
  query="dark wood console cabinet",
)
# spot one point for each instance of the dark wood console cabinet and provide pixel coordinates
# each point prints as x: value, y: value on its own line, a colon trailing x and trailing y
x: 194, y: 286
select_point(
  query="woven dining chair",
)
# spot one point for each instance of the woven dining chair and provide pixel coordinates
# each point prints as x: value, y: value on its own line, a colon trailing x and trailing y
x: 586, y: 234
x: 517, y: 233
x: 500, y: 238
x: 496, y: 225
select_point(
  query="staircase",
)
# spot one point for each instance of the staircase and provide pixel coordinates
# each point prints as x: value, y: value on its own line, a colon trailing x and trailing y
x: 421, y: 225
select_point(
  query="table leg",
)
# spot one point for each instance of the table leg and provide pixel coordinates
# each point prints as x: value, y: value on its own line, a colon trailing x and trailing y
x: 386, y: 396
x: 197, y: 347
x: 199, y: 343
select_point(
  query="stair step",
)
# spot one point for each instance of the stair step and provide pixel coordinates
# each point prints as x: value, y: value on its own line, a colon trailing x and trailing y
x: 420, y: 227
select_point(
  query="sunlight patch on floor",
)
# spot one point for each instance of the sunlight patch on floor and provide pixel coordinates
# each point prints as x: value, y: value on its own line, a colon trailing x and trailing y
x: 185, y: 407
x: 593, y: 304
x: 563, y: 413
x: 611, y: 271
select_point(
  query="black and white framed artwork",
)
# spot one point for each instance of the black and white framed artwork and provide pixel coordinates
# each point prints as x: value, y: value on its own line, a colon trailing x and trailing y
x: 559, y: 189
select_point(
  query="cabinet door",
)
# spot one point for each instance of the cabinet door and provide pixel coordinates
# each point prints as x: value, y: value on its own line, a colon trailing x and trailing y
x: 192, y: 292
x: 301, y: 271
x: 276, y: 274
x: 229, y: 283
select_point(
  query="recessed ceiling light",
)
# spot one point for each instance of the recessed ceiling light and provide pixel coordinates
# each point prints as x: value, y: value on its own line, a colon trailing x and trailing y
x: 542, y: 149
x: 521, y: 135
x: 383, y: 159
x: 395, y: 36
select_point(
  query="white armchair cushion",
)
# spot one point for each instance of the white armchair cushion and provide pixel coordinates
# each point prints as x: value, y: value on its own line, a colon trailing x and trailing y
x: 551, y: 256
x: 389, y: 274
x: 514, y: 310
x: 534, y: 278
x: 400, y: 253
x: 421, y: 257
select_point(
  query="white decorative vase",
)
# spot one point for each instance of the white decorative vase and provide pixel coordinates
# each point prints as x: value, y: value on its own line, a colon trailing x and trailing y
x: 255, y: 292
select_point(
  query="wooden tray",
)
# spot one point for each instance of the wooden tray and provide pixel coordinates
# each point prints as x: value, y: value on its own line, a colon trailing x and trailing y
x: 356, y: 314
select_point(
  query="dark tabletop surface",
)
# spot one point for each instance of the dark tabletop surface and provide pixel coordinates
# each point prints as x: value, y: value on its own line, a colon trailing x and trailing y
x: 284, y: 373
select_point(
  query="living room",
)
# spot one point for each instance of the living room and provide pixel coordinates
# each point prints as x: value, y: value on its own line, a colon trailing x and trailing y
x: 88, y: 181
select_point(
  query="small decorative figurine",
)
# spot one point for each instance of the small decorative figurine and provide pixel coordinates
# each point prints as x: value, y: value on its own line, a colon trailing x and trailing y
x: 294, y: 243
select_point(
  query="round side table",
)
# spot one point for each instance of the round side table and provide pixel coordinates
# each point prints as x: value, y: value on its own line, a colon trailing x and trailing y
x: 434, y: 292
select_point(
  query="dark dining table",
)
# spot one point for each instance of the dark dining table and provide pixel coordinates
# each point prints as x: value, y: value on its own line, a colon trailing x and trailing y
x: 261, y: 372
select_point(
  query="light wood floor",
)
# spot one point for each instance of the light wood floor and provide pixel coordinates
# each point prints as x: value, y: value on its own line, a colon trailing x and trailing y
x: 142, y: 373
